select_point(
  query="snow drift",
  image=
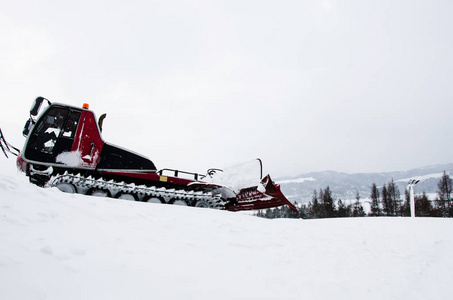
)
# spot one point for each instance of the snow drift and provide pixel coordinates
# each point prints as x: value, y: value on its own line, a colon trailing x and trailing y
x: 60, y: 246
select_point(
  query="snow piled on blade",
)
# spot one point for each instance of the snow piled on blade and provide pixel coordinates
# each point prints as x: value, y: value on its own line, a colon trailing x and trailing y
x: 239, y: 176
x: 69, y: 246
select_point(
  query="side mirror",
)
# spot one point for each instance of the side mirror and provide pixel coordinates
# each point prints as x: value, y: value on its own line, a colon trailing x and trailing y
x: 37, y: 105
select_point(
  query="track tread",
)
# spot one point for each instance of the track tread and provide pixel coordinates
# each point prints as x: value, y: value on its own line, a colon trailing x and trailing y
x: 89, y: 183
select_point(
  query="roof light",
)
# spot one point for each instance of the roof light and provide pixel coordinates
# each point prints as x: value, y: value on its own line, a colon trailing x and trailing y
x: 86, y: 105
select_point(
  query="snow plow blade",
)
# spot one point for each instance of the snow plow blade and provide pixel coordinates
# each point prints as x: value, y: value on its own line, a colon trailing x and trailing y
x: 267, y: 195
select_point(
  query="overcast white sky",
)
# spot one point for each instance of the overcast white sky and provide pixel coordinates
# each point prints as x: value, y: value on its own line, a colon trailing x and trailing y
x: 351, y: 86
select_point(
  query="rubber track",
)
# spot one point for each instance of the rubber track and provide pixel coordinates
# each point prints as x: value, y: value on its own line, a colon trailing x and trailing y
x: 142, y: 191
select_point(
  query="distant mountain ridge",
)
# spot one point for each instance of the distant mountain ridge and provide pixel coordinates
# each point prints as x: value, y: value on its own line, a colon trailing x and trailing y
x: 345, y: 186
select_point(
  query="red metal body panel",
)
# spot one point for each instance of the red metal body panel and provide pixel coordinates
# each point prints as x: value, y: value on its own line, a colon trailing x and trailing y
x: 21, y: 164
x: 88, y: 141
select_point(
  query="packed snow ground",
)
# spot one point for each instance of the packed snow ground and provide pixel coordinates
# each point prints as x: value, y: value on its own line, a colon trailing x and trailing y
x: 60, y: 246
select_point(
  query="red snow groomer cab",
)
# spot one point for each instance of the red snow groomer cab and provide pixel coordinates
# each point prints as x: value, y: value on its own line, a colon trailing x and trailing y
x: 64, y: 149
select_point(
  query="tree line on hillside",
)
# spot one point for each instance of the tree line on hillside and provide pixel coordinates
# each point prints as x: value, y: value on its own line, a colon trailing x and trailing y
x: 384, y: 201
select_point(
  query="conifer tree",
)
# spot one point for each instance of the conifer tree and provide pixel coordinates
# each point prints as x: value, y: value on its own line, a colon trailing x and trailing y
x: 304, y: 211
x: 394, y: 197
x: 358, y: 210
x: 327, y: 201
x: 343, y: 211
x: 269, y: 214
x: 287, y: 212
x: 406, y: 207
x: 444, y: 188
x: 386, y: 203
x: 375, y: 200
x: 315, y: 207
x: 321, y: 211
x: 423, y: 207
x: 260, y: 213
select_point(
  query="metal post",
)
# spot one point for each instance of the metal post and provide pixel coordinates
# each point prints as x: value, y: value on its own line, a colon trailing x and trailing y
x: 412, y: 182
x: 411, y: 192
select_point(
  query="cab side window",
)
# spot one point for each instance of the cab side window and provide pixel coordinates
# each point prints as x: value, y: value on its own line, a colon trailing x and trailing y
x: 49, y: 130
x: 52, y: 135
x: 71, y: 124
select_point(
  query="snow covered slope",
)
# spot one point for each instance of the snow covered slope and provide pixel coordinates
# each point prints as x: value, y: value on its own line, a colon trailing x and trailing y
x: 60, y: 246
